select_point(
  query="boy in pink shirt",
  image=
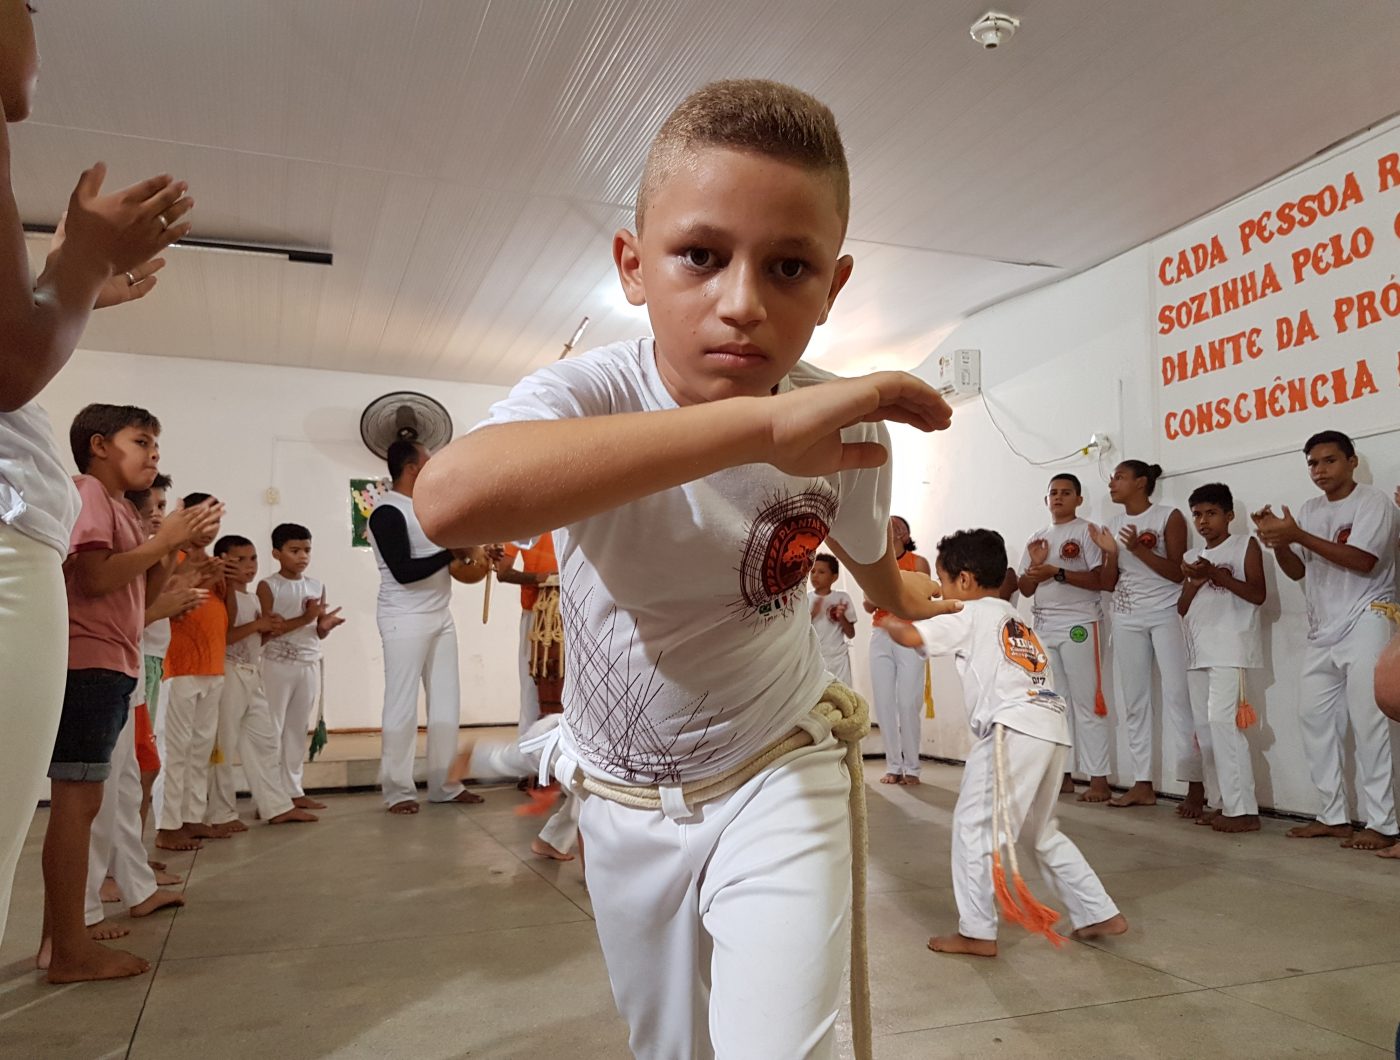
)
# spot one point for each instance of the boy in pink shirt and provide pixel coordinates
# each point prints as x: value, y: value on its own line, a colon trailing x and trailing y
x: 111, y: 567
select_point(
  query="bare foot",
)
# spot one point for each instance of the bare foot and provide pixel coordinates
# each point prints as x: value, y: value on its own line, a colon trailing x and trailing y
x: 95, y: 961
x: 1207, y: 819
x: 305, y: 802
x: 909, y: 780
x: 45, y: 954
x: 1067, y: 785
x: 1370, y: 839
x: 205, y: 831
x: 1318, y: 830
x: 1097, y: 791
x: 295, y: 815
x: 157, y: 866
x: 461, y: 766
x: 539, y: 847
x: 1114, y: 925
x: 1195, y: 802
x: 468, y: 796
x: 892, y: 778
x: 1390, y: 852
x: 157, y: 901
x: 176, y: 839
x: 168, y: 879
x: 962, y: 944
x: 233, y: 826
x: 110, y: 892
x: 1140, y: 794
x: 405, y: 808
x: 1245, y: 822
x: 104, y: 930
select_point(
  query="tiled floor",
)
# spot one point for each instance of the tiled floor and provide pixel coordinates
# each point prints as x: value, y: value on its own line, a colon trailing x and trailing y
x: 440, y: 936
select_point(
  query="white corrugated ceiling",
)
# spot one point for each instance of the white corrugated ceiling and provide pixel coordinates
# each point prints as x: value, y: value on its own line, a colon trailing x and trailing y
x: 467, y: 161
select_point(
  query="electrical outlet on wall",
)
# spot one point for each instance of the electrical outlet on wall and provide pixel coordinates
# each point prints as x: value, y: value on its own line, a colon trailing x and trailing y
x: 273, y: 496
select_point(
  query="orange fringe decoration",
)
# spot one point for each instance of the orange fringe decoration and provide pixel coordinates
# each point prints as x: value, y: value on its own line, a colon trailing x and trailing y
x: 541, y: 802
x: 1100, y: 705
x: 1023, y: 908
x: 1244, y: 713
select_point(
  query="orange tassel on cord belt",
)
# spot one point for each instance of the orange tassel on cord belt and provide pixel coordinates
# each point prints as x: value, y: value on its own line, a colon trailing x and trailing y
x: 1244, y: 713
x: 1100, y: 705
x: 1022, y: 907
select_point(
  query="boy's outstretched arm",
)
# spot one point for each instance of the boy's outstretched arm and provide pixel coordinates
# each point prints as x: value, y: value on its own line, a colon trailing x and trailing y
x: 910, y: 595
x: 515, y: 481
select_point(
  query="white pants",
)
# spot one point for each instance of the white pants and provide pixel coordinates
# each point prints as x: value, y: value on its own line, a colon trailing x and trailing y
x: 186, y: 728
x: 1035, y: 770
x: 419, y: 650
x: 1074, y: 665
x: 1215, y: 698
x: 116, y: 847
x: 34, y: 660
x: 839, y: 666
x: 529, y: 691
x: 1339, y: 683
x: 1137, y: 641
x: 897, y: 676
x: 501, y: 760
x: 291, y: 689
x: 245, y: 723
x: 726, y: 932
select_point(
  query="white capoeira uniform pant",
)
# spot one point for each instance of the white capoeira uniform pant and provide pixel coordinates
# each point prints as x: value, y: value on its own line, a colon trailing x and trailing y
x: 245, y: 724
x: 419, y: 650
x: 839, y: 667
x: 726, y: 932
x: 500, y: 760
x: 897, y: 677
x: 1338, y: 683
x: 1215, y: 699
x: 1137, y: 641
x: 1075, y: 668
x: 291, y: 689
x: 186, y: 728
x: 115, y: 847
x: 1035, y: 771
x: 529, y: 691
x: 34, y: 660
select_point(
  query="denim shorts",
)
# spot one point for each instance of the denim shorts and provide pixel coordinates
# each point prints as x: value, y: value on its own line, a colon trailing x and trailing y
x: 95, y: 706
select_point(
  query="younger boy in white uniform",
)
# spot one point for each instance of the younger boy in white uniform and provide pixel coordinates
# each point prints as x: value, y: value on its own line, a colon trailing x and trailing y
x: 292, y: 659
x: 833, y: 617
x: 722, y: 920
x: 245, y: 720
x: 1220, y: 616
x: 1342, y: 547
x: 1006, y: 683
x: 1062, y: 576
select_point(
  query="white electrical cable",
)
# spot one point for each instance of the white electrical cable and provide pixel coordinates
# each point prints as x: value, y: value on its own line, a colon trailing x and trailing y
x: 1072, y: 454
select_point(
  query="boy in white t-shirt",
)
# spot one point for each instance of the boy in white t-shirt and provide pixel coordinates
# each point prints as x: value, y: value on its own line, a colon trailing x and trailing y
x: 833, y: 616
x: 723, y: 918
x: 291, y: 664
x: 1342, y: 547
x: 1219, y: 606
x: 1006, y: 683
x: 1062, y: 576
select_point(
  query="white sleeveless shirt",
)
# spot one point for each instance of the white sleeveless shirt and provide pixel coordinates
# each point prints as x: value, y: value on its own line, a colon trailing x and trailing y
x: 432, y: 594
x: 249, y: 650
x: 1221, y: 629
x: 289, y: 601
x: 1142, y: 592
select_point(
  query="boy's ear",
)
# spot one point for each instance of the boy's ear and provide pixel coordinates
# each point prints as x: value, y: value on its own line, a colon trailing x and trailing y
x: 628, y: 258
x: 844, y: 265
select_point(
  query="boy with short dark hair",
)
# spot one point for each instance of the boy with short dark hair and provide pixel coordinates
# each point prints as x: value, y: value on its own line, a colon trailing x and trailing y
x: 833, y: 616
x: 291, y: 664
x: 1219, y: 607
x: 1019, y: 757
x: 1062, y: 575
x: 717, y: 818
x: 109, y: 571
x: 1342, y: 547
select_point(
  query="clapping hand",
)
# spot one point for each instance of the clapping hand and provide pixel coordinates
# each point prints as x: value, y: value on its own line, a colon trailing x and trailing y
x: 837, y: 612
x: 328, y: 621
x: 1275, y: 531
x: 1039, y: 551
x: 1103, y: 537
x: 1128, y: 537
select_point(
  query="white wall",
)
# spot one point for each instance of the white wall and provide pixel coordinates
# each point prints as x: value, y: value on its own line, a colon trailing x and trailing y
x: 234, y: 430
x: 1058, y: 365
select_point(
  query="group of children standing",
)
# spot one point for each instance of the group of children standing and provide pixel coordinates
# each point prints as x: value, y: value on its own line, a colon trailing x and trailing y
x: 174, y: 666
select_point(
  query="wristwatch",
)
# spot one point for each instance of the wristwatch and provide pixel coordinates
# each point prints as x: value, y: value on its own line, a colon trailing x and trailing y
x: 1059, y: 574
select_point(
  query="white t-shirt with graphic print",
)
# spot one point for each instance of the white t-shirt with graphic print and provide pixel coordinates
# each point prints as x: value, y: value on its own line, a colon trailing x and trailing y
x: 1058, y: 606
x: 1141, y: 591
x: 1337, y: 597
x: 1004, y: 669
x: 687, y: 637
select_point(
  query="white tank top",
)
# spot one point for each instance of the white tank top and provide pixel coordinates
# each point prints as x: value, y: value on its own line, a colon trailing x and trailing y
x: 1221, y: 629
x: 429, y: 595
x: 289, y: 600
x: 1141, y: 590
x: 249, y: 650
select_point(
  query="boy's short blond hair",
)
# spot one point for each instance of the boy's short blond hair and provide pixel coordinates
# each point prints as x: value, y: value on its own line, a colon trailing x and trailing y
x: 765, y: 117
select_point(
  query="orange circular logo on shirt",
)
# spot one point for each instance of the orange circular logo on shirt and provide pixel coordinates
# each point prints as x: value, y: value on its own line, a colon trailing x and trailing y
x: 1070, y: 550
x: 1021, y: 646
x: 1344, y: 534
x: 1148, y: 539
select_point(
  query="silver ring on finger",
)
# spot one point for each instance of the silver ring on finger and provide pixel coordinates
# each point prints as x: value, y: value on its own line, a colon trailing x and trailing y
x: 131, y: 280
x: 164, y: 224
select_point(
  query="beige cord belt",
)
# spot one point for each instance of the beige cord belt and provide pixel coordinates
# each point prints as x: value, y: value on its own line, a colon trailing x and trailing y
x: 847, y: 717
